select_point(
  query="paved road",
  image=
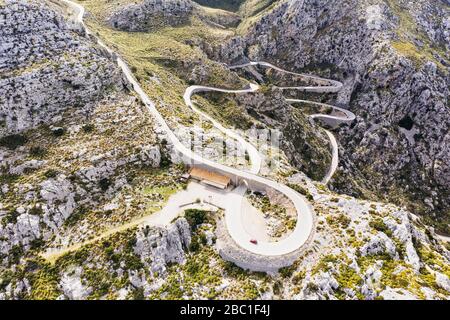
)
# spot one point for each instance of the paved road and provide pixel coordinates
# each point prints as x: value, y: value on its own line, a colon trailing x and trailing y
x: 334, y: 158
x: 255, y: 157
x: 322, y: 85
x: 177, y: 203
x: 339, y: 115
x: 233, y: 219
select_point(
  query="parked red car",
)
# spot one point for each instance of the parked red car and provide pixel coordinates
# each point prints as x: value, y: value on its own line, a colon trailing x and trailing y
x: 254, y: 241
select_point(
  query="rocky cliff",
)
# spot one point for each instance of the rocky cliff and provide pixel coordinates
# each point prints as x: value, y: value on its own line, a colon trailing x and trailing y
x: 46, y: 67
x: 152, y: 14
x: 65, y: 106
x: 393, y: 60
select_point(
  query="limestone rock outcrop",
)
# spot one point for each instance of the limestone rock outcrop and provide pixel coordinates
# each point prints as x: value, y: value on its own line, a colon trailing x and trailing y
x: 46, y: 66
x: 163, y: 246
x: 153, y: 14
x: 150, y: 14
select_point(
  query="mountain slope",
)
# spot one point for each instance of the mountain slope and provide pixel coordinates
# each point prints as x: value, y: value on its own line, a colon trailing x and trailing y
x: 396, y: 80
x: 88, y: 177
x: 46, y: 67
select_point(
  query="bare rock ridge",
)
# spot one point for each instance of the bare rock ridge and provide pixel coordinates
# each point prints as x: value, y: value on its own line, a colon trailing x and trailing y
x: 46, y: 67
x: 57, y: 88
x: 151, y: 14
x: 396, y: 80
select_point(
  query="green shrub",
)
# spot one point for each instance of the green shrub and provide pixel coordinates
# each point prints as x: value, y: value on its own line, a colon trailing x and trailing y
x: 88, y: 128
x: 203, y: 239
x: 15, y: 254
x: 50, y: 173
x: 195, y: 217
x: 298, y: 277
x: 8, y: 178
x: 324, y: 263
x: 165, y: 161
x: 76, y: 216
x: 301, y: 190
x: 193, y: 268
x: 138, y: 294
x: 341, y: 220
x: 58, y: 132
x: 44, y: 283
x: 13, y: 141
x: 36, y: 211
x: 277, y: 286
x: 11, y: 216
x: 287, y: 272
x: 132, y: 262
x: 195, y: 244
x: 6, y: 277
x: 104, y: 184
x: 37, y: 244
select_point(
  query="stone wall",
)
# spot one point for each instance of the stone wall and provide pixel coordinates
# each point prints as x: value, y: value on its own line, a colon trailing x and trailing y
x: 230, y: 251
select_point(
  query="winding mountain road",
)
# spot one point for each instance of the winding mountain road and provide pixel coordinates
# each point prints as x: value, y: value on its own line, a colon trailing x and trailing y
x: 233, y: 215
x: 322, y: 86
x: 255, y: 157
x: 244, y: 179
x: 325, y: 85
